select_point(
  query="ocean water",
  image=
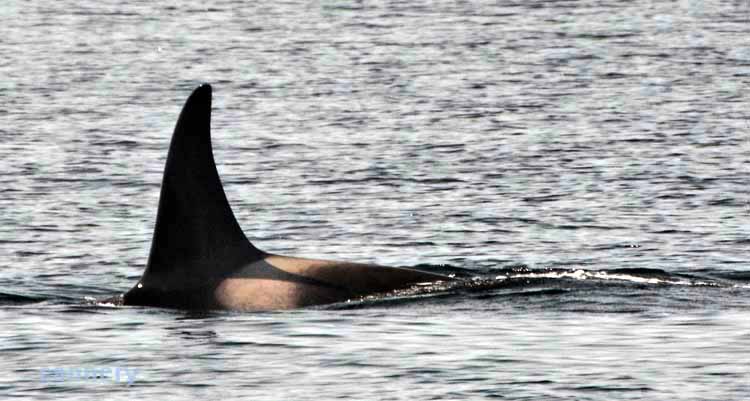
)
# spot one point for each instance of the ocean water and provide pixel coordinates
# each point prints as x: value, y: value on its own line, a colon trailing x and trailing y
x: 584, y: 163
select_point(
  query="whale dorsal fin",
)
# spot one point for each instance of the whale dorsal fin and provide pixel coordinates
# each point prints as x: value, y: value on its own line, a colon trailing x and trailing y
x: 196, y: 237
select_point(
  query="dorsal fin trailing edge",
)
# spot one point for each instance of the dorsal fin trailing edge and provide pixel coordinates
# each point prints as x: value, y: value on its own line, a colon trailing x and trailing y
x: 196, y: 238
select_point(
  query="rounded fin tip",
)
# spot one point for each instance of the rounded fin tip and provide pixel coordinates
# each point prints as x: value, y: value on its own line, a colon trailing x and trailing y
x: 203, y: 89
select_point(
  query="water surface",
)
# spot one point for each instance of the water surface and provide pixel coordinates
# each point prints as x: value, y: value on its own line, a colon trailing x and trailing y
x: 588, y: 159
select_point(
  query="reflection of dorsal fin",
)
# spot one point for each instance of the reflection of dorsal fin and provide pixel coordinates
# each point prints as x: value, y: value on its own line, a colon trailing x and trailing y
x: 196, y: 237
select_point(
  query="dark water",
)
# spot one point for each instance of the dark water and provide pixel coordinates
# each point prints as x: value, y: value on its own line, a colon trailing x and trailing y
x: 583, y: 164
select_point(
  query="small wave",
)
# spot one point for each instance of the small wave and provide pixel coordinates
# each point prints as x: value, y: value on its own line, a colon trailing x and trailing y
x: 18, y: 299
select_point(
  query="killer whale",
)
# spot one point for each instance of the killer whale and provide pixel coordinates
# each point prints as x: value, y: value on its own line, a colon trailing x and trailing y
x: 201, y: 259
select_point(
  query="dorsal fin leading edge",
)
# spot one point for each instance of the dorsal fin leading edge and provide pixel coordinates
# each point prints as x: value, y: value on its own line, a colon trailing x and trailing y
x: 196, y: 236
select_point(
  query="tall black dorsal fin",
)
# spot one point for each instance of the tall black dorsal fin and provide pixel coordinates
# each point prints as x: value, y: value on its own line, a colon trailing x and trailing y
x: 196, y: 237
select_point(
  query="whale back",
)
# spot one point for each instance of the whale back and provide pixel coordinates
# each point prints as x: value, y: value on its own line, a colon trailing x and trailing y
x: 197, y: 240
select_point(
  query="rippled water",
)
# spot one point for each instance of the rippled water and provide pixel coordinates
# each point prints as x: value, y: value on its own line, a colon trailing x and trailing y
x: 585, y: 163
